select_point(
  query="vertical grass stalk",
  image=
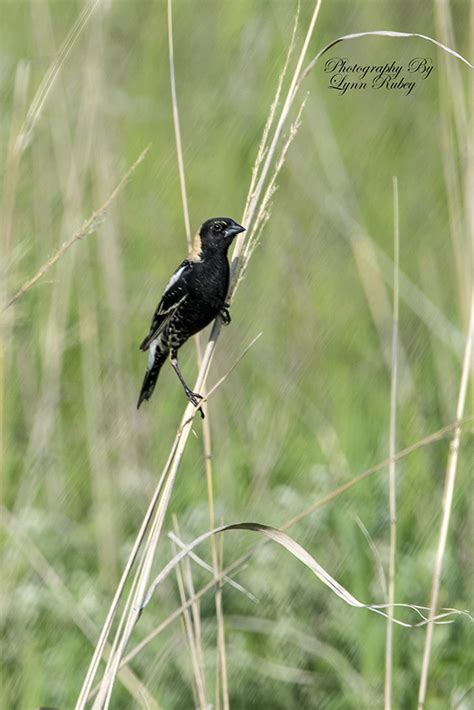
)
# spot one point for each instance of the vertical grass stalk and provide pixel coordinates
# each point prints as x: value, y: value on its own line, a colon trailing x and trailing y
x: 207, y: 441
x: 392, y: 451
x: 447, y: 504
x: 192, y: 626
x: 177, y: 131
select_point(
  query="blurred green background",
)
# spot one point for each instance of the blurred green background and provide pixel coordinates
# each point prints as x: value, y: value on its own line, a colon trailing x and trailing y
x: 307, y: 408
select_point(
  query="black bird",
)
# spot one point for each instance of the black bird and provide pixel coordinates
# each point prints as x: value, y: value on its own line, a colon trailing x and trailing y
x: 194, y: 296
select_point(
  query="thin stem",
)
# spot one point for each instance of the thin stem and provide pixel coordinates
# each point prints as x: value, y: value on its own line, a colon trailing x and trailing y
x: 207, y: 441
x: 192, y: 627
x: 392, y: 451
x: 177, y: 131
x: 221, y: 628
x: 204, y: 565
x: 447, y: 504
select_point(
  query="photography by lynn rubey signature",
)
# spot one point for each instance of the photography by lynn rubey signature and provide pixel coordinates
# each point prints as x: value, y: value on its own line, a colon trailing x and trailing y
x: 393, y: 77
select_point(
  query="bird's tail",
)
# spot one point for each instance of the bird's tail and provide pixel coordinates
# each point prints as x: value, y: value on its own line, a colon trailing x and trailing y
x: 151, y: 376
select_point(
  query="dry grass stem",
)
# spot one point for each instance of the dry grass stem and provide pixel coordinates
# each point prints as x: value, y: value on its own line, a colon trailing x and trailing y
x: 177, y: 130
x: 207, y: 441
x: 375, y: 554
x: 204, y: 565
x: 392, y: 451
x: 196, y: 620
x: 223, y: 678
x: 192, y: 627
x: 448, y: 494
x: 189, y: 638
x: 222, y: 664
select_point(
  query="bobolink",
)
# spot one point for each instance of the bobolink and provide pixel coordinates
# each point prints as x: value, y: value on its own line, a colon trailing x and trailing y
x: 194, y: 296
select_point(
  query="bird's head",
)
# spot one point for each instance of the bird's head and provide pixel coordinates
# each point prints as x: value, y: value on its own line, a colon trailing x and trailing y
x: 219, y: 232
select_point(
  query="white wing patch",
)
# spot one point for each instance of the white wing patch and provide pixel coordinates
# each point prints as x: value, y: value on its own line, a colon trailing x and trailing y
x: 174, y: 278
x: 151, y: 352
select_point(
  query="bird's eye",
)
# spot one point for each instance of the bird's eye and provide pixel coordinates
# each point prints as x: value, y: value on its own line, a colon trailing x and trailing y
x: 219, y: 227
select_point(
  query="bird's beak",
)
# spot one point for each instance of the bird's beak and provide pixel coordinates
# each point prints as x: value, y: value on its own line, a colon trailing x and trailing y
x: 233, y: 230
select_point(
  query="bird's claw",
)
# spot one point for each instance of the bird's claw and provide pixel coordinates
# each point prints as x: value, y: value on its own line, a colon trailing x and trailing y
x: 225, y: 315
x: 194, y: 398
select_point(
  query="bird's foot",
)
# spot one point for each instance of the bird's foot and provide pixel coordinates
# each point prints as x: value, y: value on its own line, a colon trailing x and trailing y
x: 194, y: 398
x: 225, y: 315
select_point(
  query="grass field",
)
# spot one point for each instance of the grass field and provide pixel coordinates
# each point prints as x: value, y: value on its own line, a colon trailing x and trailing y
x: 304, y: 412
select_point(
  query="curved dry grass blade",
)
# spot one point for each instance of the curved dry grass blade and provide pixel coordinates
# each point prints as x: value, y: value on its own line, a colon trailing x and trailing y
x: 303, y: 556
x: 381, y: 33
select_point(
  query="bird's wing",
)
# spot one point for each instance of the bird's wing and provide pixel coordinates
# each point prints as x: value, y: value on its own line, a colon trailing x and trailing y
x: 174, y: 294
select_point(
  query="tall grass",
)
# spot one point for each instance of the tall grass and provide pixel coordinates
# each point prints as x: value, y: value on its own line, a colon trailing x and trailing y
x: 308, y: 405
